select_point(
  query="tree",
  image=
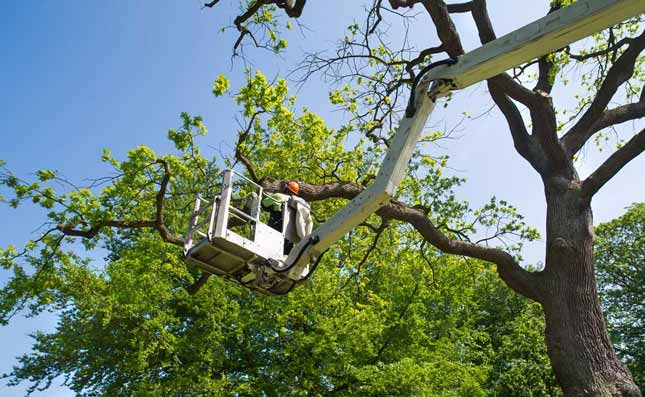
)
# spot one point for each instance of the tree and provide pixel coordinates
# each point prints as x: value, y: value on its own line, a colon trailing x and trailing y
x: 584, y: 361
x: 385, y: 314
x: 620, y: 254
x: 376, y: 76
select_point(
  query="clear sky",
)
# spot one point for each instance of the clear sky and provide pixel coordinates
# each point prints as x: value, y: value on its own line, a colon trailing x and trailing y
x: 78, y: 76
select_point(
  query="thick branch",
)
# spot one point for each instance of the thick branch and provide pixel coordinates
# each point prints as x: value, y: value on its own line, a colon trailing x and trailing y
x: 523, y: 142
x: 197, y: 285
x: 440, y: 13
x: 545, y: 78
x: 613, y: 164
x: 511, y: 272
x: 621, y: 71
x: 241, y: 19
x: 446, y: 29
x: 552, y: 157
x: 293, y: 8
x: 503, y: 81
x: 516, y: 91
x: 546, y: 132
x: 457, y: 8
x: 620, y: 114
x: 545, y: 69
x: 482, y: 21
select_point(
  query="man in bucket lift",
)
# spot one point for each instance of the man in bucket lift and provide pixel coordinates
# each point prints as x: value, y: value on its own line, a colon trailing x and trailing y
x: 299, y: 219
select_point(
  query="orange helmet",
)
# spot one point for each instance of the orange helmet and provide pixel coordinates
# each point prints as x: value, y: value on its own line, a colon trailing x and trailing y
x: 293, y: 187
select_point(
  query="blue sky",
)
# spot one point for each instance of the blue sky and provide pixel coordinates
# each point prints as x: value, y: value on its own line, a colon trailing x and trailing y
x: 78, y: 76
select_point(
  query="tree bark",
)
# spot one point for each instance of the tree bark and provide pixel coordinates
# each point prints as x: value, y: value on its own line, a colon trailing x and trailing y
x: 578, y: 343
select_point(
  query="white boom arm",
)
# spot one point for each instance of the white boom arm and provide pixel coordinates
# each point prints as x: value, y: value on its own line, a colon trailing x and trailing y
x: 532, y: 41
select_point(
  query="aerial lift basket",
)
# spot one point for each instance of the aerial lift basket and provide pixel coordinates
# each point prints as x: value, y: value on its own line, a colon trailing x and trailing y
x: 228, y: 235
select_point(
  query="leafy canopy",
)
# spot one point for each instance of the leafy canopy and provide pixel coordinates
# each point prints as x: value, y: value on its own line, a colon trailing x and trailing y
x: 384, y: 314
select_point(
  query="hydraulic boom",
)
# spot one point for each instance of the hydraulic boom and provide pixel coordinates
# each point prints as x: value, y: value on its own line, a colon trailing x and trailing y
x: 546, y: 35
x: 237, y: 244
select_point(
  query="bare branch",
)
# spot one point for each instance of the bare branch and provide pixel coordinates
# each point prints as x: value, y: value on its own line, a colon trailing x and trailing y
x: 94, y: 230
x: 211, y: 4
x: 293, y: 11
x: 503, y: 82
x: 544, y: 121
x: 613, y: 164
x: 241, y: 19
x: 545, y: 68
x: 620, y: 114
x: 379, y: 17
x: 595, y: 54
x: 460, y: 7
x: 545, y: 78
x: 515, y: 90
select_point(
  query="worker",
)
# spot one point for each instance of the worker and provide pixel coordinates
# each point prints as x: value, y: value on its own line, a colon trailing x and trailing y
x: 300, y: 223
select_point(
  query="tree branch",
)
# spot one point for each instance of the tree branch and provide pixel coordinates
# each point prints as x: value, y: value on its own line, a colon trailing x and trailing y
x: 620, y: 114
x: 510, y: 271
x: 550, y: 156
x: 595, y: 54
x: 621, y: 71
x: 483, y: 22
x: 545, y: 68
x: 446, y: 29
x: 241, y: 19
x: 250, y: 168
x: 613, y: 164
x: 523, y: 142
x: 157, y: 223
x: 457, y: 8
x: 545, y: 78
x: 197, y: 285
x: 503, y: 81
x: 545, y: 130
x: 516, y: 91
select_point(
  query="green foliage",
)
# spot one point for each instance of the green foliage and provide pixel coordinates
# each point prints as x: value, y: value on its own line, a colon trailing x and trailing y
x: 391, y: 330
x: 383, y: 314
x: 221, y: 85
x: 620, y: 254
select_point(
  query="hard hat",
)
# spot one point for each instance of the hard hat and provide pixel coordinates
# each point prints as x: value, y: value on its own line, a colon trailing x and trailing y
x: 293, y: 187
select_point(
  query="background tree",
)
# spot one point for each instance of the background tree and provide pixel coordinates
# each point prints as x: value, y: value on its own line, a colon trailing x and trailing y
x: 620, y: 254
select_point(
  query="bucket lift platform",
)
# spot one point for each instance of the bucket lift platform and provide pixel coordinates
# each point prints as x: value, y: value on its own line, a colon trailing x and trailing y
x: 229, y: 236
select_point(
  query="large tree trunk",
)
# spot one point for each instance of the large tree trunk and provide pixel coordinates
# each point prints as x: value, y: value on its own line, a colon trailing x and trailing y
x: 578, y: 344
